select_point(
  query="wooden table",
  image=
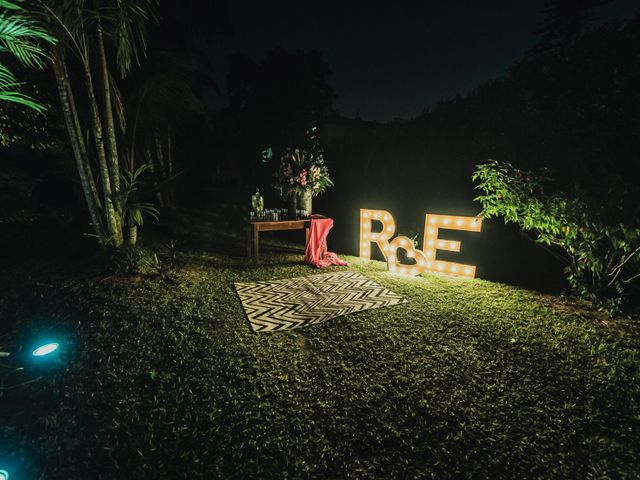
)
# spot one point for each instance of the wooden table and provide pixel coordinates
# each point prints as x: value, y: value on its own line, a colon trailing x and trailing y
x: 253, y: 237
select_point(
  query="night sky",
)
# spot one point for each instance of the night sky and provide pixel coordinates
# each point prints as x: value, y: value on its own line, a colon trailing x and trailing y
x: 395, y: 59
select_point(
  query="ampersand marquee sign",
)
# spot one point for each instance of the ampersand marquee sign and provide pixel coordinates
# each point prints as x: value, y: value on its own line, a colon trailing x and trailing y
x: 425, y: 258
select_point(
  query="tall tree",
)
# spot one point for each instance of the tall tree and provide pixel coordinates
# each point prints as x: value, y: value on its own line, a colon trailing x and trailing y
x: 563, y: 22
x: 167, y: 109
x: 83, y: 29
x: 165, y: 102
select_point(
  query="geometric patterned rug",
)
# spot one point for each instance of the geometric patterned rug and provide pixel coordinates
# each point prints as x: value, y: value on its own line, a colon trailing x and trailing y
x: 297, y: 302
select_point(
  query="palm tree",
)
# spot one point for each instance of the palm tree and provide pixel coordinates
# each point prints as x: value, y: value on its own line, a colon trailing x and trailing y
x: 21, y: 36
x: 82, y: 30
x: 164, y: 103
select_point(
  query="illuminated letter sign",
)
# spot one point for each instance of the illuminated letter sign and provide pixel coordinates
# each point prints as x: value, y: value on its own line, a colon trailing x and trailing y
x: 381, y: 237
x: 412, y: 252
x: 432, y: 224
x: 425, y: 258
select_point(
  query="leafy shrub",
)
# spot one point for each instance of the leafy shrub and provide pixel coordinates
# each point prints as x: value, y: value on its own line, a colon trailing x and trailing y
x: 161, y: 262
x: 131, y: 260
x: 601, y: 253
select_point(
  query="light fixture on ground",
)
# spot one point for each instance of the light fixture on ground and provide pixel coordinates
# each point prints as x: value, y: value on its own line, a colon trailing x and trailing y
x: 4, y: 475
x: 44, y: 350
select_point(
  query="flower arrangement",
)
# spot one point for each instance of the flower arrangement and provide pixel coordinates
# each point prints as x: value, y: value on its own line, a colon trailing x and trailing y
x: 302, y: 171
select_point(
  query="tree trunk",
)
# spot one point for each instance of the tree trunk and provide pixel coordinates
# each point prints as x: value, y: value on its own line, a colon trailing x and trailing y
x: 114, y: 165
x: 77, y: 144
x: 114, y: 223
x: 162, y: 170
x: 170, y: 187
x: 132, y: 237
x: 156, y: 186
x: 160, y: 156
x: 81, y: 142
x: 169, y: 152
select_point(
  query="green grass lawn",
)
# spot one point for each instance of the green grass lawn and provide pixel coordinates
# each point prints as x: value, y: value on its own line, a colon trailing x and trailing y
x: 470, y: 379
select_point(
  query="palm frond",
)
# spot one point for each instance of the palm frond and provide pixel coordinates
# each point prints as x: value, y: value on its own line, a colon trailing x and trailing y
x: 130, y: 181
x: 21, y: 99
x: 6, y: 77
x: 138, y: 209
x: 69, y: 20
x: 20, y: 35
x: 10, y: 91
x: 168, y: 91
x: 128, y: 26
x: 9, y: 5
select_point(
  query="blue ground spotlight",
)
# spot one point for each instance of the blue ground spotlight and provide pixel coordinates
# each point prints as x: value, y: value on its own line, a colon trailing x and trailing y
x: 44, y: 350
x: 44, y: 354
x: 4, y: 475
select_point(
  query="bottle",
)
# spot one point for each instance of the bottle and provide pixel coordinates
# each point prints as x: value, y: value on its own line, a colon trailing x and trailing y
x: 257, y: 201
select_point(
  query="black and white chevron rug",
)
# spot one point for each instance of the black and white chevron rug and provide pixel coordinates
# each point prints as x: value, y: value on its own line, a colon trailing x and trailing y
x: 298, y: 302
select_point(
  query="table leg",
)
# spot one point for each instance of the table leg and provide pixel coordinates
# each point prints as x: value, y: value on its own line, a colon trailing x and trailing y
x: 256, y: 243
x: 248, y: 232
x: 306, y: 241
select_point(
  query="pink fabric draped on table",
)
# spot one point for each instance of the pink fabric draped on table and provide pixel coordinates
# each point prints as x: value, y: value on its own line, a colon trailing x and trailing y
x: 316, y: 253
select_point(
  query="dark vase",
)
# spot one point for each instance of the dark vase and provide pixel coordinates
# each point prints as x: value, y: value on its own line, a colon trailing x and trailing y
x: 306, y: 201
x: 299, y: 202
x: 293, y: 205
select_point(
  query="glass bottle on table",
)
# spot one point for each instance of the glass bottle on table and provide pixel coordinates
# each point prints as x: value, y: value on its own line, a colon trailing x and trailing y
x: 257, y: 202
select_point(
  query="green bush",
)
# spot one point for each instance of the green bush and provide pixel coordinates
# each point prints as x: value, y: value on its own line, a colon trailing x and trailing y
x: 601, y: 253
x: 131, y: 260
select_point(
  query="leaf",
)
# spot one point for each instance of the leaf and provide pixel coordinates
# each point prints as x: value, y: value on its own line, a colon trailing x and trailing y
x: 9, y: 6
x: 19, y: 35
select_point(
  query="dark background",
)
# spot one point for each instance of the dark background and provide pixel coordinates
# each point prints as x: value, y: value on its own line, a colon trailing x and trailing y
x: 408, y: 99
x: 395, y: 59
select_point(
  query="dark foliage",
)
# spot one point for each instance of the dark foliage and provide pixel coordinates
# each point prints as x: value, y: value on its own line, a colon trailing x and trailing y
x: 564, y: 22
x: 278, y: 99
x: 600, y: 253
